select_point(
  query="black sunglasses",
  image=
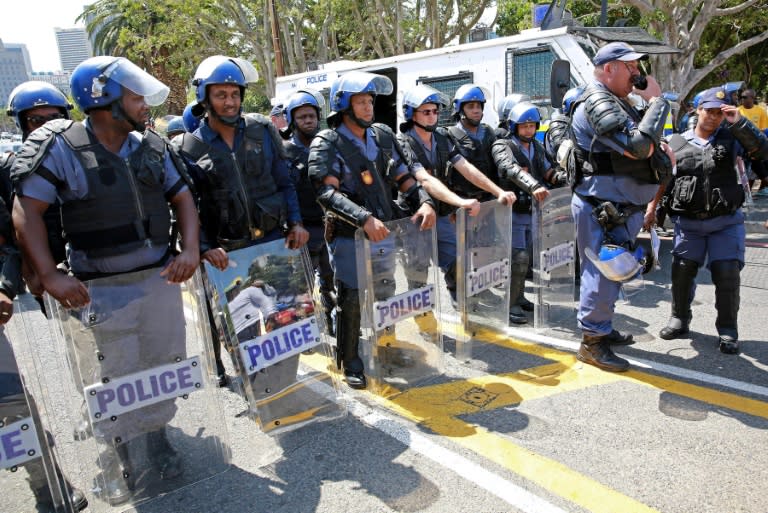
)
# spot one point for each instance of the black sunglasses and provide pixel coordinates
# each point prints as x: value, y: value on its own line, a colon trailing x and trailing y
x: 41, y: 120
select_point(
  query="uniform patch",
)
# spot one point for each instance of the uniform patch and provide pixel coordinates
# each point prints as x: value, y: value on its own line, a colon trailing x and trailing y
x: 366, y: 176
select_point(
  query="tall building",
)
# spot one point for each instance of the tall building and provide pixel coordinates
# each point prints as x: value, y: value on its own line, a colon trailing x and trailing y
x: 57, y: 79
x: 15, y: 68
x: 74, y: 47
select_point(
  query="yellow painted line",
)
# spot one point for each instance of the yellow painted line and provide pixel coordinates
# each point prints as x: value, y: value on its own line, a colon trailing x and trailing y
x: 492, y: 391
x: 545, y: 472
x: 700, y: 393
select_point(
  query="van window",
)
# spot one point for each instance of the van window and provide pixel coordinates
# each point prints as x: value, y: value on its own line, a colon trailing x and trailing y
x: 448, y: 86
x: 528, y: 70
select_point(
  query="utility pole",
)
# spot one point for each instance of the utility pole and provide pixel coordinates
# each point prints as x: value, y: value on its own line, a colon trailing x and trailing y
x: 276, y: 39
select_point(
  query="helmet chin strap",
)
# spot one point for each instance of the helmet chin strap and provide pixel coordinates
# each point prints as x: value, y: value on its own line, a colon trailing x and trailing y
x: 472, y: 122
x: 359, y: 122
x: 118, y: 113
x: 428, y: 128
x: 227, y: 120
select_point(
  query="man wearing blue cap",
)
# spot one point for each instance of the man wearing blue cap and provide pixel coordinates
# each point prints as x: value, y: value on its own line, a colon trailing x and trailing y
x: 705, y: 201
x: 618, y: 163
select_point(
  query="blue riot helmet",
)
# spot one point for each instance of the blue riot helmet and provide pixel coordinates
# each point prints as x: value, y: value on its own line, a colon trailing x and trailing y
x: 524, y: 112
x: 415, y: 98
x: 175, y: 127
x: 418, y: 96
x: 617, y: 263
x: 731, y: 89
x: 98, y: 82
x: 220, y: 69
x: 191, y: 116
x: 352, y: 83
x: 301, y: 98
x: 569, y: 99
x: 468, y: 93
x: 697, y: 99
x: 505, y: 105
x: 33, y: 94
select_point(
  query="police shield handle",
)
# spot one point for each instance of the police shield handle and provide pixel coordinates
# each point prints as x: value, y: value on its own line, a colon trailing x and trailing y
x: 425, y: 214
x: 375, y: 230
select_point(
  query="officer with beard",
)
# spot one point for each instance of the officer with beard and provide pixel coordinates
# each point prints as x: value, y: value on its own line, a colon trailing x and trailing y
x: 704, y: 203
x: 302, y: 113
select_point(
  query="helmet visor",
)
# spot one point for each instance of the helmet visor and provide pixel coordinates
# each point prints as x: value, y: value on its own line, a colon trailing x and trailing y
x: 209, y: 65
x: 362, y: 82
x: 314, y: 94
x: 138, y: 81
x: 621, y: 267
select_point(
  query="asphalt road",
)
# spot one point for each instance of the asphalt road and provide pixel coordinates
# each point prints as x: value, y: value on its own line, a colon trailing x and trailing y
x: 524, y: 427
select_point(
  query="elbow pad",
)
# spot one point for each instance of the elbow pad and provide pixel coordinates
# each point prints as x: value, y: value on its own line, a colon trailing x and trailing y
x: 753, y: 140
x: 416, y: 196
x: 526, y: 181
x: 10, y: 271
x: 652, y: 124
x: 342, y: 207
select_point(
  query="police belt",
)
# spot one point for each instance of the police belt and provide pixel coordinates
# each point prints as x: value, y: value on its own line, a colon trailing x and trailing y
x: 626, y: 208
x: 233, y: 244
x: 343, y: 229
x: 701, y: 216
x: 96, y: 275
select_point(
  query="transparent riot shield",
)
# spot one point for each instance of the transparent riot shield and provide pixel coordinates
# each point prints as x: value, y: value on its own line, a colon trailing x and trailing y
x: 126, y: 388
x: 31, y: 479
x: 263, y: 305
x: 402, y: 342
x: 554, y: 258
x: 482, y: 267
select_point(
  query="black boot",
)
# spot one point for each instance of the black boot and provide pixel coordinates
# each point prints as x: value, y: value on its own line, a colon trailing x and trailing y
x: 47, y: 501
x: 617, y: 338
x: 348, y: 336
x: 595, y: 350
x: 162, y: 455
x: 683, y: 276
x: 517, y: 285
x: 727, y: 280
x: 117, y: 473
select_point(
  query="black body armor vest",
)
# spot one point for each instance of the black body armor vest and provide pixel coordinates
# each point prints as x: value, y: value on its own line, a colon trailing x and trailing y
x: 706, y: 184
x: 125, y: 207
x: 439, y: 169
x: 311, y: 211
x: 243, y: 195
x: 524, y: 203
x: 479, y: 154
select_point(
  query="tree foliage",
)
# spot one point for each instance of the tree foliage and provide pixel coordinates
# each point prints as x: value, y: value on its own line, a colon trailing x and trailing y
x: 720, y: 40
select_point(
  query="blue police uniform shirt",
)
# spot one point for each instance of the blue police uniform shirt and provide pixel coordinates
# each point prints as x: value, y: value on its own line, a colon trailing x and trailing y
x: 62, y: 162
x: 431, y: 153
x: 616, y: 188
x: 368, y: 148
x: 279, y: 167
x: 530, y: 153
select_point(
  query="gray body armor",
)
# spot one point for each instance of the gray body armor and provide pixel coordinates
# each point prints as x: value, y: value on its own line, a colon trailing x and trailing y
x: 241, y: 201
x: 125, y: 207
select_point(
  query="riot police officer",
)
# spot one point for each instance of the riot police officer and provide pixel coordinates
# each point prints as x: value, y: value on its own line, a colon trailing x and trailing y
x: 705, y: 199
x: 111, y: 179
x: 32, y: 104
x: 175, y: 127
x: 473, y: 139
x: 617, y: 166
x: 302, y: 113
x: 557, y: 132
x: 237, y: 162
x: 191, y: 117
x: 354, y: 167
x: 523, y: 165
x: 429, y: 145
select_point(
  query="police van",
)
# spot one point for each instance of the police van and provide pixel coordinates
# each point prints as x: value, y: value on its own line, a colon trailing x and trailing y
x: 522, y: 63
